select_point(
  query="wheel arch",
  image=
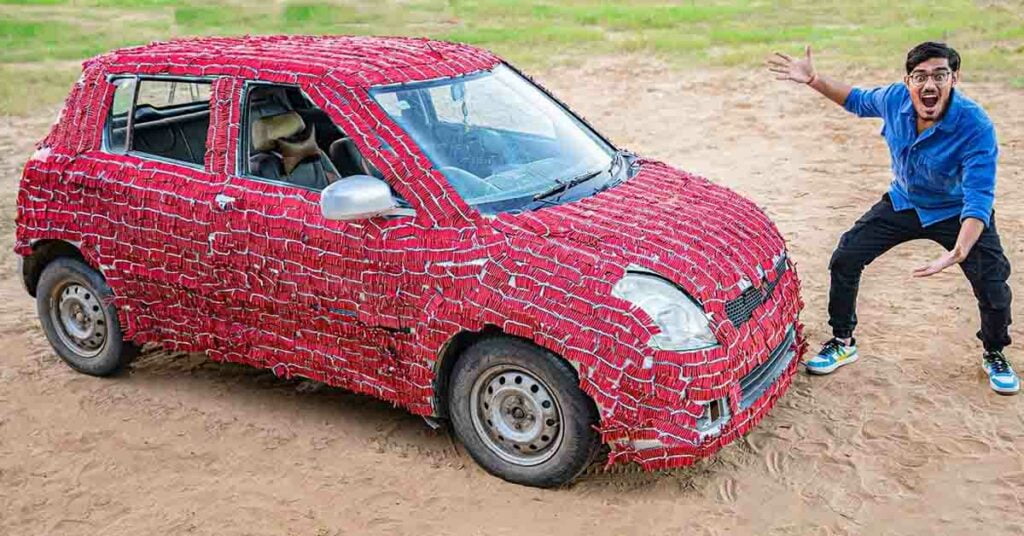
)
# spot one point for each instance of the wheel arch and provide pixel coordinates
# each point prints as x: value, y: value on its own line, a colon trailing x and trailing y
x: 43, y: 253
x: 450, y: 352
x: 448, y: 356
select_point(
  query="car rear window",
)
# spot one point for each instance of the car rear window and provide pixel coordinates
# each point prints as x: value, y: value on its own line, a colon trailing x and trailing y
x: 169, y: 119
x: 172, y: 93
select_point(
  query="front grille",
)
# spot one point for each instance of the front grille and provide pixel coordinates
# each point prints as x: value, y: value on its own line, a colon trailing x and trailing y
x: 741, y: 308
x: 757, y: 381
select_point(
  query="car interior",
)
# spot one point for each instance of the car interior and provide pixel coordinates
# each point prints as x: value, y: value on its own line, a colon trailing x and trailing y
x: 180, y: 135
x: 173, y: 131
x: 479, y: 160
x: 292, y: 140
x: 289, y: 138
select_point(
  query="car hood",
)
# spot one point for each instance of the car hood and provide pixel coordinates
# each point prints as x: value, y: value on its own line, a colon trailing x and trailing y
x: 707, y: 239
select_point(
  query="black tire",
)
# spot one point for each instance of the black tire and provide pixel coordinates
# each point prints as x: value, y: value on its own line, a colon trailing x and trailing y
x: 69, y: 291
x: 547, y: 460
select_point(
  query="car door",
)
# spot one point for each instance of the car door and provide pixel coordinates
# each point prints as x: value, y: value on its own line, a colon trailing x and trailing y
x: 313, y: 297
x: 143, y: 191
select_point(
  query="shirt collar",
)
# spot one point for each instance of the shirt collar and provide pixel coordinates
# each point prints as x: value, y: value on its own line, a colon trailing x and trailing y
x: 949, y: 119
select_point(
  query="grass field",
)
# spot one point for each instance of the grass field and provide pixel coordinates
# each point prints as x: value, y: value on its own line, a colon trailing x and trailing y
x: 43, y: 41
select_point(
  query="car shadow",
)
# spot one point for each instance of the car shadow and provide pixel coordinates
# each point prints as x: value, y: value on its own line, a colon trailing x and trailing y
x: 261, y: 397
x: 266, y: 400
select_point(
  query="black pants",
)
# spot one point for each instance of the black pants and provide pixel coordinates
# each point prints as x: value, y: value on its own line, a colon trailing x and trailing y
x: 881, y: 228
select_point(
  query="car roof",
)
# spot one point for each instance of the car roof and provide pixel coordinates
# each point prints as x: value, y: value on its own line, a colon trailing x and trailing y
x: 355, y: 60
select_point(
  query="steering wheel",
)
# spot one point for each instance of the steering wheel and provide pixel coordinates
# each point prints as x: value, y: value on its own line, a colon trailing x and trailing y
x: 468, y: 184
x: 491, y: 142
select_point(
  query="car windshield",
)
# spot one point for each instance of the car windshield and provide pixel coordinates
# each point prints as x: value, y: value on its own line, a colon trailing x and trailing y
x: 501, y: 141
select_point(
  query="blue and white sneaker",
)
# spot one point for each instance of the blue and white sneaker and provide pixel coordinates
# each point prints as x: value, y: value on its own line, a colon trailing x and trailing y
x: 834, y: 354
x: 1001, y: 377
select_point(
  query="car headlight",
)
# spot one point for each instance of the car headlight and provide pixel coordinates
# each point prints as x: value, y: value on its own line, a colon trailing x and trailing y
x: 682, y: 322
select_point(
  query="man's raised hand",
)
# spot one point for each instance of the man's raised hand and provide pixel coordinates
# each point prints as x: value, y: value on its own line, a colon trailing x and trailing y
x: 786, y: 67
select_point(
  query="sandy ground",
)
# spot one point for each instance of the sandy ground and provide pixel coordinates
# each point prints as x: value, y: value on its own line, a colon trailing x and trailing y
x: 908, y: 441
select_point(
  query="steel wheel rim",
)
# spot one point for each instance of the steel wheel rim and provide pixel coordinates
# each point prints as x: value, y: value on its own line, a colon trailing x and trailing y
x: 516, y: 415
x: 79, y: 319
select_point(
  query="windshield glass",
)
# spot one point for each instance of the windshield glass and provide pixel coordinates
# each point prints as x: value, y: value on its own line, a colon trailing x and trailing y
x: 499, y: 139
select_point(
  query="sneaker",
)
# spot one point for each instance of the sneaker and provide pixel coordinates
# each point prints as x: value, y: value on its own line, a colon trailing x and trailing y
x: 1001, y: 377
x: 833, y: 355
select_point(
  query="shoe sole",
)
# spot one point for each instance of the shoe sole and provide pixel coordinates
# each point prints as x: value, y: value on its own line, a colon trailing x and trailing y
x: 1004, y: 390
x: 1001, y: 390
x: 829, y: 370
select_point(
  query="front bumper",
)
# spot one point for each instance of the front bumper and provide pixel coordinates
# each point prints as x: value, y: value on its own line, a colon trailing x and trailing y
x: 751, y: 397
x: 757, y: 382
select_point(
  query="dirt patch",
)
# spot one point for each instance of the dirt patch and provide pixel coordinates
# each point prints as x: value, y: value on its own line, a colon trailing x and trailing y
x: 908, y: 441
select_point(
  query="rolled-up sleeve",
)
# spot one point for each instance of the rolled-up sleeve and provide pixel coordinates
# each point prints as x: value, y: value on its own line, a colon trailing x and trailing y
x: 868, y: 102
x: 979, y: 175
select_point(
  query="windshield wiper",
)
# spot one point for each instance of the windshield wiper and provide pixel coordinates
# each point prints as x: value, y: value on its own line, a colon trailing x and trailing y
x: 620, y: 160
x: 561, y: 186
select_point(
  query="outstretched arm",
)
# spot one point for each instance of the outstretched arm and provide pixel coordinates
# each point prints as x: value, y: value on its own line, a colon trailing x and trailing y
x: 970, y: 231
x: 802, y: 71
x: 979, y: 186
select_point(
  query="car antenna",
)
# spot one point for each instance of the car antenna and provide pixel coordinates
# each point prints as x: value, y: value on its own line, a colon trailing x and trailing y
x: 436, y: 54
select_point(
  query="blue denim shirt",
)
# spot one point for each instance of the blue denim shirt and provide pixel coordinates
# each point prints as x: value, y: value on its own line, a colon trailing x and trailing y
x: 950, y: 169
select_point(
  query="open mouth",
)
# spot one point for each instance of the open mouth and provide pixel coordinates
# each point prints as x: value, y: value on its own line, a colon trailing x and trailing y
x: 929, y: 101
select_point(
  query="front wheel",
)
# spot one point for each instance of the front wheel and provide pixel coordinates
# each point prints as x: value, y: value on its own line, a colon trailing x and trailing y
x: 76, y: 309
x: 520, y: 413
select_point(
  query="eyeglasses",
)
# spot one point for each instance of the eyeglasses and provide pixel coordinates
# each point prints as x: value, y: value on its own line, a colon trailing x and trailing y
x: 919, y: 79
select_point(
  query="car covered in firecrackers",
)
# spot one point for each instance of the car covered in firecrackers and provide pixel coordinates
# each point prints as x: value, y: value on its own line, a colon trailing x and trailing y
x: 415, y: 220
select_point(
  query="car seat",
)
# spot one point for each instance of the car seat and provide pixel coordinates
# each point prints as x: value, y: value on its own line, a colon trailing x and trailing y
x: 287, y: 151
x: 349, y: 161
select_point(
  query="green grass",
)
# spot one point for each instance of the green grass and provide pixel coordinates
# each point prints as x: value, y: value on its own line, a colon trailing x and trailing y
x: 32, y: 2
x: 34, y: 88
x: 41, y: 41
x: 60, y: 41
x: 323, y: 15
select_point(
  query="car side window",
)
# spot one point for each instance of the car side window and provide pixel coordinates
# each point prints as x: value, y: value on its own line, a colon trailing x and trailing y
x: 287, y: 138
x: 117, y: 120
x: 168, y: 119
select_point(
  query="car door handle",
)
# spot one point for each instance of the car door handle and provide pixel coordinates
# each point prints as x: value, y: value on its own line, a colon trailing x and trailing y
x: 224, y: 202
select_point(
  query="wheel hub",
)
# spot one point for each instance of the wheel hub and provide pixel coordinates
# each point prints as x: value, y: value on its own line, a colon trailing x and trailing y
x: 516, y: 415
x: 80, y: 319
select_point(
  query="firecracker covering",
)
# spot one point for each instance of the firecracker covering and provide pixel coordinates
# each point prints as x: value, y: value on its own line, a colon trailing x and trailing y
x: 369, y: 305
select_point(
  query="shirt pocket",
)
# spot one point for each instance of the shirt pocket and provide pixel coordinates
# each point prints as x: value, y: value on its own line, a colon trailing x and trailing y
x: 933, y: 175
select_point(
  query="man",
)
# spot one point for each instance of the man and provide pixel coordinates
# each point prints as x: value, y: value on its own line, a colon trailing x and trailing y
x: 943, y: 151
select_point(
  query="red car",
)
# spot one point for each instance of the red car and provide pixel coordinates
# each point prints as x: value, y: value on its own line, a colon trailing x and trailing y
x: 415, y: 220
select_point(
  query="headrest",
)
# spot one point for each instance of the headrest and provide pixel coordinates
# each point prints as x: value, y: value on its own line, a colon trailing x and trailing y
x: 269, y: 102
x: 297, y: 149
x: 266, y: 131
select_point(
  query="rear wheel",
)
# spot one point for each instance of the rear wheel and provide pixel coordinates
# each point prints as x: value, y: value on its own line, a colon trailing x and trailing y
x: 76, y: 310
x: 520, y: 413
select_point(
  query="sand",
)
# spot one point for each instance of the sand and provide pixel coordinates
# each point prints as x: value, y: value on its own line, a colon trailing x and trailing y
x: 910, y: 440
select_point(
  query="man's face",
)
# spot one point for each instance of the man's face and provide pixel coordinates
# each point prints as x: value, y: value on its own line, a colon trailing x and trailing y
x: 931, y: 84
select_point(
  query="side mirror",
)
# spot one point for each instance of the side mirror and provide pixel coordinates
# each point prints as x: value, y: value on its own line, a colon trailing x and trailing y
x: 356, y: 197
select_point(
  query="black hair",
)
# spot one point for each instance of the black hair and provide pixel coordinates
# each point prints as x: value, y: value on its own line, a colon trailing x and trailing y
x: 930, y: 49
